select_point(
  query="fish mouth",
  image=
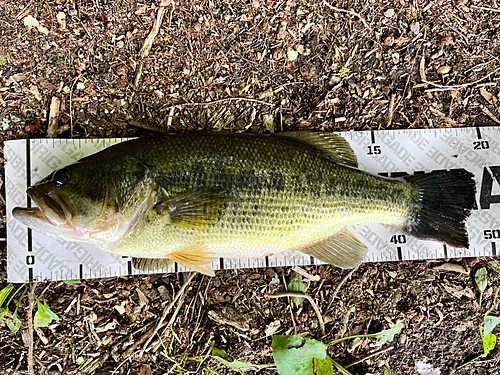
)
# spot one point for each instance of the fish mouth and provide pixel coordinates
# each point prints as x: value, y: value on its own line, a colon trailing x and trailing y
x: 50, y: 207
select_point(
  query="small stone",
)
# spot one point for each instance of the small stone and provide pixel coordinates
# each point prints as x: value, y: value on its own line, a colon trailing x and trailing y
x: 334, y: 80
x: 120, y: 44
x: 80, y: 86
x: 163, y: 292
x: 415, y: 27
x: 389, y: 13
x: 124, y: 103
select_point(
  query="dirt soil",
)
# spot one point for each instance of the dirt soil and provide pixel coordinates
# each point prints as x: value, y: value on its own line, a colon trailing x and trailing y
x: 255, y: 66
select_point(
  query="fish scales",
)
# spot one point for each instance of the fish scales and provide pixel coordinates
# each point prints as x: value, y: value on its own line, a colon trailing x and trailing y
x: 281, y: 195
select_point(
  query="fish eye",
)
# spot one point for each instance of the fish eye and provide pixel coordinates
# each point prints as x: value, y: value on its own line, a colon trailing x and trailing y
x: 61, y: 177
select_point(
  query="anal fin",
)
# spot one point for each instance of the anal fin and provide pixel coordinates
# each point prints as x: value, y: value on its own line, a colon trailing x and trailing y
x: 196, y: 259
x: 342, y: 250
x: 147, y: 264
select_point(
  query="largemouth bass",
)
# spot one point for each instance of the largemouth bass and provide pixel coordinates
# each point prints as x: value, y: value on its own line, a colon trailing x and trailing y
x: 194, y: 198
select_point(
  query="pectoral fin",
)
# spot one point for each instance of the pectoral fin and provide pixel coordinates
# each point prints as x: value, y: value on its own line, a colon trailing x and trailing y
x: 342, y: 250
x: 197, y: 208
x: 147, y: 264
x: 196, y: 259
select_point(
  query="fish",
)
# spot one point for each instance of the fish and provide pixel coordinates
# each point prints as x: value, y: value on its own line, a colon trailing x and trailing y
x: 195, y: 198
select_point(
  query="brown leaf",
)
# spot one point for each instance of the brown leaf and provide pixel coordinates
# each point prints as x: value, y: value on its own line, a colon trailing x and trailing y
x: 292, y: 54
x: 444, y: 69
x: 146, y: 370
x: 142, y: 297
x: 15, y: 78
x: 486, y: 95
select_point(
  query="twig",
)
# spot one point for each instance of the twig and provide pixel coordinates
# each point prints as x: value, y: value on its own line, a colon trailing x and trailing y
x: 302, y: 295
x: 167, y: 310
x: 182, y: 105
x: 53, y: 126
x: 488, y: 113
x: 348, y: 11
x: 474, y: 361
x: 344, y: 279
x: 390, y: 111
x: 484, y: 8
x: 456, y: 87
x: 369, y: 356
x: 31, y: 303
x: 145, y: 126
x: 148, y: 43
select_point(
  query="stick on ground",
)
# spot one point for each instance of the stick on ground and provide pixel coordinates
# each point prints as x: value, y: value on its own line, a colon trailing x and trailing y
x: 306, y: 296
x: 167, y: 310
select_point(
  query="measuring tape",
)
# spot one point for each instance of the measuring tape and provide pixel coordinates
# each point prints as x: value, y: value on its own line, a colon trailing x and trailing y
x: 392, y: 153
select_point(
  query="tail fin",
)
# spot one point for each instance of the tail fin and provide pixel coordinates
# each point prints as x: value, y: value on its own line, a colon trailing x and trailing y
x: 443, y: 202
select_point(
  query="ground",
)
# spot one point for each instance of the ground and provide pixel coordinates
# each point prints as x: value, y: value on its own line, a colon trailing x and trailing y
x: 263, y: 66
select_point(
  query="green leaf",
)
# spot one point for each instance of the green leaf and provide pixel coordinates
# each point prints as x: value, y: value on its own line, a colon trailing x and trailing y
x: 3, y: 313
x: 4, y: 293
x: 296, y: 286
x: 346, y: 320
x: 489, y: 343
x: 388, y: 334
x: 323, y: 366
x: 41, y: 322
x: 72, y: 282
x: 294, y: 355
x: 494, y: 266
x: 13, y: 323
x: 481, y: 281
x: 490, y: 322
x: 234, y: 365
x: 45, y: 311
x: 3, y: 59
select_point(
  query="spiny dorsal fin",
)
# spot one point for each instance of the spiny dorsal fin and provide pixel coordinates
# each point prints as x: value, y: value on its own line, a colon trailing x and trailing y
x: 342, y: 250
x: 197, y: 208
x: 147, y: 264
x: 195, y: 258
x: 331, y: 143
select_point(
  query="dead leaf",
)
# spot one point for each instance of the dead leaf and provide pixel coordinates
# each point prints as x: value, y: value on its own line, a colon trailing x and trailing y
x: 120, y: 309
x: 271, y: 328
x: 16, y: 78
x: 486, y: 95
x: 444, y: 69
x: 30, y: 21
x: 142, y: 10
x: 36, y: 93
x: 107, y: 327
x: 146, y: 370
x: 43, y: 30
x: 61, y: 18
x: 142, y: 297
x: 292, y: 54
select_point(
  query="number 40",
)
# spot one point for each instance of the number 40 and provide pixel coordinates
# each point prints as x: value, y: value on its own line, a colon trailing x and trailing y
x: 398, y: 239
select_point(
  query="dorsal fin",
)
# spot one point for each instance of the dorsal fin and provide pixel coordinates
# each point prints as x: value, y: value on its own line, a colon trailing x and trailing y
x: 331, y: 143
